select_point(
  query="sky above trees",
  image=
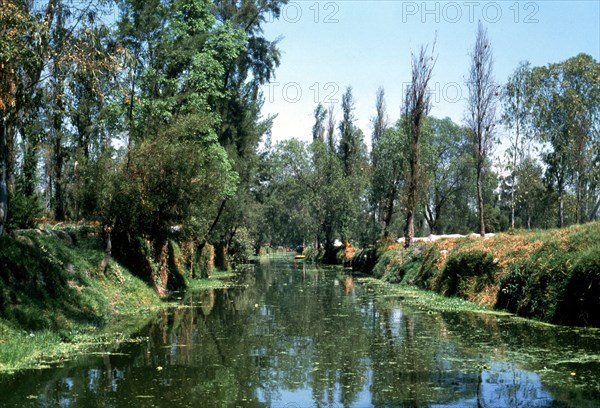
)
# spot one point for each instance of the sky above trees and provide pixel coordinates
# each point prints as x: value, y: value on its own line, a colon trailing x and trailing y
x: 328, y: 45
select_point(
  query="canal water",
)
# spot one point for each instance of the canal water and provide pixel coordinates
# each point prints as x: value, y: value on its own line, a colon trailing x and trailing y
x: 299, y: 336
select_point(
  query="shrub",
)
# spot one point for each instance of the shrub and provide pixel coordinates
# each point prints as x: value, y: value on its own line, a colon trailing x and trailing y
x: 580, y: 300
x: 384, y: 263
x: 313, y: 255
x: 365, y: 260
x: 463, y: 265
x: 23, y: 210
x: 242, y: 247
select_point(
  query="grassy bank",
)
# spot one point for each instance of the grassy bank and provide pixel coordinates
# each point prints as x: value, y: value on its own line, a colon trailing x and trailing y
x: 56, y: 302
x: 552, y: 276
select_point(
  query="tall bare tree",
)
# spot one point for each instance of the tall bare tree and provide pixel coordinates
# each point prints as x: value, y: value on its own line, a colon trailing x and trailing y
x: 417, y: 103
x: 481, y: 110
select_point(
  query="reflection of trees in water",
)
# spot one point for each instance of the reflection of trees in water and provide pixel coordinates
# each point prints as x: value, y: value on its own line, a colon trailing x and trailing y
x: 319, y: 326
x: 530, y: 348
x: 412, y: 364
x: 296, y: 330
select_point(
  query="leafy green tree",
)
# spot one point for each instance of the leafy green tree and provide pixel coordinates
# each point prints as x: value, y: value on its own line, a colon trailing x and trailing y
x: 319, y: 126
x: 239, y: 108
x: 448, y: 168
x: 331, y: 128
x: 352, y: 152
x: 380, y: 125
x: 305, y: 195
x: 46, y: 47
x: 388, y: 174
x: 350, y: 136
x: 516, y: 101
x: 566, y: 108
x: 168, y: 189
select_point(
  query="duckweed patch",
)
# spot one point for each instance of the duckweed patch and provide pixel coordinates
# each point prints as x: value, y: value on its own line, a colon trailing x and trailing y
x: 425, y: 300
x: 218, y: 280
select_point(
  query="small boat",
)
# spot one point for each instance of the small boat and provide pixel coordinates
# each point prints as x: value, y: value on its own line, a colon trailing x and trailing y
x: 299, y: 257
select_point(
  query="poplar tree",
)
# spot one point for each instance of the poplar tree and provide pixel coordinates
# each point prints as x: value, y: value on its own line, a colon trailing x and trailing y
x: 481, y: 111
x: 417, y: 103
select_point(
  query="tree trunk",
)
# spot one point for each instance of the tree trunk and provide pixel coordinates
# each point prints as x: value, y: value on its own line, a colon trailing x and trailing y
x: 59, y: 202
x: 409, y: 231
x: 10, y: 157
x: 30, y: 165
x: 3, y: 184
x: 431, y: 219
x: 561, y: 209
x: 388, y: 212
x: 594, y: 212
x: 221, y: 260
x: 163, y: 276
x: 213, y: 225
x: 512, y: 208
x: 513, y: 179
x: 480, y: 202
x: 107, y: 250
x: 329, y: 255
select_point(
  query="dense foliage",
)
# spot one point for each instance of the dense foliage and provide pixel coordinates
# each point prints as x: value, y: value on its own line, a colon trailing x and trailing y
x: 151, y: 125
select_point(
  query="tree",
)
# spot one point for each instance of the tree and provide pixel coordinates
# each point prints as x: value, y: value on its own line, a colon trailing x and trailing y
x: 566, y: 106
x: 241, y: 126
x: 447, y: 166
x: 353, y: 156
x: 349, y: 139
x: 41, y: 48
x: 481, y: 111
x: 417, y: 103
x: 306, y: 195
x: 531, y: 195
x: 318, y: 132
x: 388, y: 174
x: 331, y: 128
x: 380, y: 121
x: 516, y: 98
x: 380, y: 125
x: 169, y: 188
x: 17, y: 53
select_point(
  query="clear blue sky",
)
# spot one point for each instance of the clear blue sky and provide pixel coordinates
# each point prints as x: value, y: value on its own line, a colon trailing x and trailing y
x: 328, y: 45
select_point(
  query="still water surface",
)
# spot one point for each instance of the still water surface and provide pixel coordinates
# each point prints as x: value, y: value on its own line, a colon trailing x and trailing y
x: 296, y: 336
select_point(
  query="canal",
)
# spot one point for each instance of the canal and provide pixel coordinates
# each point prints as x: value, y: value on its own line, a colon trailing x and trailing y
x: 293, y: 335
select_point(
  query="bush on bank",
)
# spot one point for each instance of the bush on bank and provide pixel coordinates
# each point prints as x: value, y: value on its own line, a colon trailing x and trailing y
x: 53, y: 280
x: 552, y: 275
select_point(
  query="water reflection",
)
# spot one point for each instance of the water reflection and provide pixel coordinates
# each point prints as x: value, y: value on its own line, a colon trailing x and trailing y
x: 301, y: 337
